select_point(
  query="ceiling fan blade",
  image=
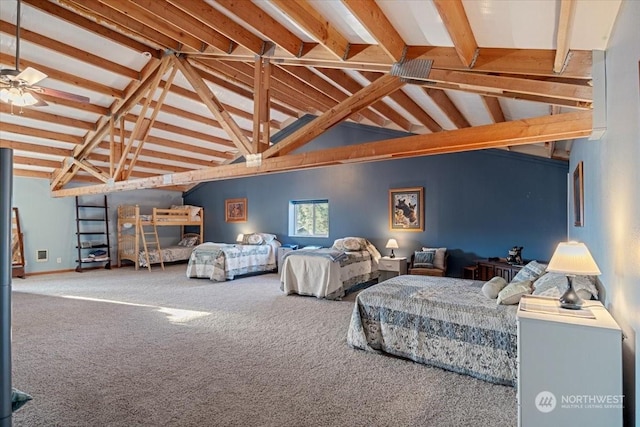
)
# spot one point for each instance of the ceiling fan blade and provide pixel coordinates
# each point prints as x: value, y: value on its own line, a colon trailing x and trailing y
x: 64, y: 95
x: 31, y: 76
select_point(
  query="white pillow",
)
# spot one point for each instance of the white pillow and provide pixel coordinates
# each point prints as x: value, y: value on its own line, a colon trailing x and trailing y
x: 353, y: 244
x: 531, y: 271
x: 438, y: 260
x: 512, y: 293
x: 255, y: 239
x: 492, y: 288
x: 584, y: 285
x: 338, y: 245
x: 267, y: 237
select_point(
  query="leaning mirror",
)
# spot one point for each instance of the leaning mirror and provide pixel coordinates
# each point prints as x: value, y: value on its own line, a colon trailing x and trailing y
x: 17, y: 247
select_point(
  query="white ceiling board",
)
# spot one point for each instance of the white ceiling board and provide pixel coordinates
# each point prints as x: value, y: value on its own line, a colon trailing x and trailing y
x: 417, y: 94
x: 523, y: 24
x: 417, y: 22
x: 283, y: 19
x: 471, y: 106
x: 19, y: 120
x: 341, y: 18
x: 518, y: 109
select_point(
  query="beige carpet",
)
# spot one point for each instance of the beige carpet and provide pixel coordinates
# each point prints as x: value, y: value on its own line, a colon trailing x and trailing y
x: 125, y: 348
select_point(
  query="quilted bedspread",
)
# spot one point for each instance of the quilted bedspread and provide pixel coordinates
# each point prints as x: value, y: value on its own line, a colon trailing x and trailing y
x: 315, y: 273
x: 222, y: 261
x: 439, y: 321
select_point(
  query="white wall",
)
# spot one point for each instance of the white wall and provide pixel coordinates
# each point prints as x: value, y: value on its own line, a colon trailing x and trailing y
x: 612, y: 193
x: 49, y: 223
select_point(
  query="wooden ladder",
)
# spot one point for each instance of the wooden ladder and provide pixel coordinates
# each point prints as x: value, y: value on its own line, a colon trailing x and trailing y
x: 153, y: 242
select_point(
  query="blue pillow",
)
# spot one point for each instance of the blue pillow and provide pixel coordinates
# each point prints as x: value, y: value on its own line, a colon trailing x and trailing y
x: 424, y: 259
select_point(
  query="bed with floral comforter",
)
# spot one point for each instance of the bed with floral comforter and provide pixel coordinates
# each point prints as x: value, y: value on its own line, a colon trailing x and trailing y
x: 223, y: 261
x: 439, y: 321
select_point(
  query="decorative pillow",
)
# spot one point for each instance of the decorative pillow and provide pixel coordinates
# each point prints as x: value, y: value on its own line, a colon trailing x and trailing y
x: 338, y: 245
x: 18, y: 399
x: 252, y: 239
x: 189, y: 241
x: 531, y: 271
x: 424, y: 259
x: 267, y: 237
x: 438, y: 260
x: 354, y: 244
x: 492, y: 288
x: 584, y: 285
x: 512, y: 293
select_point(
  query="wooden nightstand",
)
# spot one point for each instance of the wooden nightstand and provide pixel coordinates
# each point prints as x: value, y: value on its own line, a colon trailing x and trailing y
x: 390, y: 267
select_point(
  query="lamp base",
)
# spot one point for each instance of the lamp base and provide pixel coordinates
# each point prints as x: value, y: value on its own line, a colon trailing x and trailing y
x: 570, y: 298
x: 392, y: 254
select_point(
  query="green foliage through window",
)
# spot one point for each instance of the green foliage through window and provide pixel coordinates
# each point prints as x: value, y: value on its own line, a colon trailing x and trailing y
x: 309, y: 218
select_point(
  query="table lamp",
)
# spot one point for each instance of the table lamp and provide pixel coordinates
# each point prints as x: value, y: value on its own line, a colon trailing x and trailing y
x: 392, y: 244
x: 572, y: 258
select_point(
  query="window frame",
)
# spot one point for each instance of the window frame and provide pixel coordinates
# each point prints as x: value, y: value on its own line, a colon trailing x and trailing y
x: 293, y: 217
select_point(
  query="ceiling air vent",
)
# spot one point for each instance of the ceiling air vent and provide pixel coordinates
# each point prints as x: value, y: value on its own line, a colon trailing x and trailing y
x: 414, y: 71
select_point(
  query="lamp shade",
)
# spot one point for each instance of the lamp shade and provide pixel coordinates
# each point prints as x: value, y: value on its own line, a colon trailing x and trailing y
x: 573, y: 258
x: 240, y: 237
x: 392, y: 244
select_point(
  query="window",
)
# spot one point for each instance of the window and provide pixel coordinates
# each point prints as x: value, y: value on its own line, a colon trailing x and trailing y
x: 309, y: 218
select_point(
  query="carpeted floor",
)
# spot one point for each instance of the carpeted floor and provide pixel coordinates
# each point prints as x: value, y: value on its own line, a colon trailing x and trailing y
x: 125, y: 348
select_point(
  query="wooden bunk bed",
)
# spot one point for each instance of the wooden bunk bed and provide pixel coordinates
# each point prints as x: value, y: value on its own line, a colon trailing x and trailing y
x: 138, y: 235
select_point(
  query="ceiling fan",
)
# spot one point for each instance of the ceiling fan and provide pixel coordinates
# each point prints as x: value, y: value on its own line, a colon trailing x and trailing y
x: 19, y: 87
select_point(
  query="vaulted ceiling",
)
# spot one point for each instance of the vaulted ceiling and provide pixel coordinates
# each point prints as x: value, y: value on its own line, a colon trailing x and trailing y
x: 150, y: 93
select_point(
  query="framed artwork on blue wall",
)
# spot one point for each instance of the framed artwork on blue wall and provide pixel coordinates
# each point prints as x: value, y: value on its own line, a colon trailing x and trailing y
x: 406, y: 209
x: 578, y: 196
x: 235, y: 210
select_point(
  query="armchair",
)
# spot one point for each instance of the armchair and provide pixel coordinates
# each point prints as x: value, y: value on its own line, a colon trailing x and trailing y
x: 439, y: 268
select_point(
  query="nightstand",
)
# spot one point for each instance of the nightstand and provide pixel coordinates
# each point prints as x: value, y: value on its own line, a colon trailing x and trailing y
x: 390, y: 267
x: 569, y: 368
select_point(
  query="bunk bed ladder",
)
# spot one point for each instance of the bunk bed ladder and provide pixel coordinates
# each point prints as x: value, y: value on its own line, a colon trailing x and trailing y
x: 153, y: 241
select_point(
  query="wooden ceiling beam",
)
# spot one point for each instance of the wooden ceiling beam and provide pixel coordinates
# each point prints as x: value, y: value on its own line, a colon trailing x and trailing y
x: 455, y: 20
x: 264, y: 24
x: 214, y: 105
x: 406, y: 102
x: 40, y: 133
x: 302, y: 13
x: 177, y: 16
x: 356, y: 102
x: 208, y: 72
x: 35, y: 114
x: 375, y: 21
x: 91, y: 26
x: 63, y: 77
x: 217, y: 22
x: 35, y: 148
x: 526, y: 131
x: 103, y: 14
x: 447, y: 106
x: 148, y: 19
x: 306, y: 75
x: 493, y: 107
x: 230, y: 72
x: 347, y: 82
x: 70, y: 51
x: 565, y: 22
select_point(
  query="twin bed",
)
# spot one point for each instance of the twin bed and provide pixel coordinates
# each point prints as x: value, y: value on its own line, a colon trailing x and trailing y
x: 330, y: 273
x: 223, y: 261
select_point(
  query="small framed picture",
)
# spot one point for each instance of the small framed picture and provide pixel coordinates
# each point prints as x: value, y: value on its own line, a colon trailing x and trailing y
x: 578, y: 196
x: 235, y: 210
x: 406, y: 209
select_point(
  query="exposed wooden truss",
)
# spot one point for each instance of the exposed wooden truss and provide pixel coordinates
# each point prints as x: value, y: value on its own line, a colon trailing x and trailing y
x: 237, y: 48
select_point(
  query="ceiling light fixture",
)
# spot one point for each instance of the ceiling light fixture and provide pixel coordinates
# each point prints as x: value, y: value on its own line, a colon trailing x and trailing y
x: 17, y: 96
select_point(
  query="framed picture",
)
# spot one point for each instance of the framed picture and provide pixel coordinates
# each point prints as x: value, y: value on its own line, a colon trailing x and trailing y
x: 578, y: 196
x: 406, y: 209
x: 235, y: 210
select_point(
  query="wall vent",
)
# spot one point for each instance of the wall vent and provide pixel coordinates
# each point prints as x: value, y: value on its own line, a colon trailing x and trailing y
x: 42, y: 255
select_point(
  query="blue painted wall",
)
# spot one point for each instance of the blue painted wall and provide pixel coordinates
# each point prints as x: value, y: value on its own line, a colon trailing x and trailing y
x: 477, y: 204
